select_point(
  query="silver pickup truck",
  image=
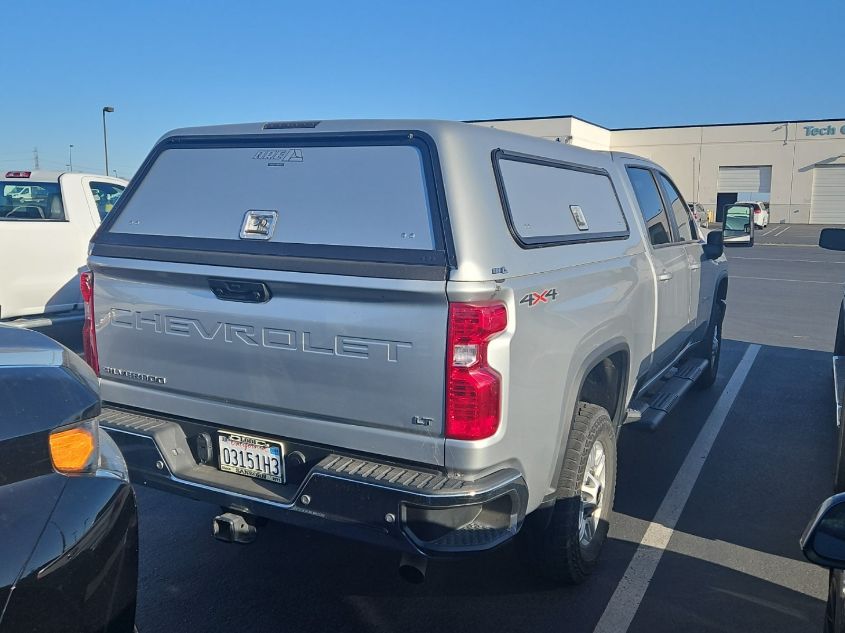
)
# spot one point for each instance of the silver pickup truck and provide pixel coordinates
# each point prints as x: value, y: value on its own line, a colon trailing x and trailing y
x: 421, y: 334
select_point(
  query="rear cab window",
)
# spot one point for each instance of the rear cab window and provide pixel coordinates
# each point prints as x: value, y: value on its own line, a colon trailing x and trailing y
x: 548, y: 202
x: 30, y: 201
x: 106, y: 195
x: 369, y: 199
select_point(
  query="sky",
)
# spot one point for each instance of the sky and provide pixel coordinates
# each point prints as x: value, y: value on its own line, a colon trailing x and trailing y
x: 164, y: 65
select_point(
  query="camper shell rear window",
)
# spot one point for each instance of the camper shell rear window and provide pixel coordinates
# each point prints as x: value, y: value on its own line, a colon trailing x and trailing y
x: 375, y: 198
x: 549, y: 202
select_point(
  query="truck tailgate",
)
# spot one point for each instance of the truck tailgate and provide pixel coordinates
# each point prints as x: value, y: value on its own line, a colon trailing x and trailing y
x: 354, y: 353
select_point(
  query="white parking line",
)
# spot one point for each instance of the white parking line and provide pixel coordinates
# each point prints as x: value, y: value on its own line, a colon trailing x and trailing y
x: 801, y: 281
x: 778, y: 259
x: 629, y: 593
x: 796, y: 575
x: 797, y: 245
x: 782, y: 232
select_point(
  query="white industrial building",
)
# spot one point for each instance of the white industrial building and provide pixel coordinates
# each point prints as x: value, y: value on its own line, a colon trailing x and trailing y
x: 798, y: 167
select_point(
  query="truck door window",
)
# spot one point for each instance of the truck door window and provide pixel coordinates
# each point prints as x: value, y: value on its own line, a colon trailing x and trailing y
x: 33, y: 201
x: 105, y: 195
x: 686, y: 227
x: 651, y: 205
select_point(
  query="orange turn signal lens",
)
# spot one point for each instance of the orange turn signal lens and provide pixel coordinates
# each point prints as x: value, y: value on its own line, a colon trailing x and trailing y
x: 74, y: 450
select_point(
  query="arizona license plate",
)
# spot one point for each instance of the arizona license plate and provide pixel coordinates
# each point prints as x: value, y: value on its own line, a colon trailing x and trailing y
x: 251, y: 456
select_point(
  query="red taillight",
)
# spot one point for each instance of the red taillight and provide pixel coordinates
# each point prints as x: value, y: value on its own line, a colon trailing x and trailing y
x: 18, y: 174
x: 89, y: 333
x: 756, y: 211
x: 473, y: 388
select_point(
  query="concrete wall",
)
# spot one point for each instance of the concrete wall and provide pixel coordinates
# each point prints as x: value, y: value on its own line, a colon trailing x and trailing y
x: 590, y: 136
x: 563, y: 129
x: 678, y: 150
x: 553, y: 129
x: 693, y: 155
x: 809, y: 152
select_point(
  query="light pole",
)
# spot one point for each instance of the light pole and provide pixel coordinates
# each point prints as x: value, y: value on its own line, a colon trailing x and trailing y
x: 70, y: 157
x: 105, y: 137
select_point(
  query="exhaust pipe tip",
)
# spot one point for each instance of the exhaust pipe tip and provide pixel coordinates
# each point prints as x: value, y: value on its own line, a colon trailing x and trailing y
x: 412, y: 569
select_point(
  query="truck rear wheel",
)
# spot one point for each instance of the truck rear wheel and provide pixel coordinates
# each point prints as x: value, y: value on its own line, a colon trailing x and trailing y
x: 562, y: 543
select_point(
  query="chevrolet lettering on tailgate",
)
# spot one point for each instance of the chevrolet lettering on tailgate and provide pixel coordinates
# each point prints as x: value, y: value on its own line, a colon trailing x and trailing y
x: 269, y: 337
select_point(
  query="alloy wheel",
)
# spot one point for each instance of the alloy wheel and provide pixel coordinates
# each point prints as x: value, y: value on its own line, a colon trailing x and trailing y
x: 592, y: 489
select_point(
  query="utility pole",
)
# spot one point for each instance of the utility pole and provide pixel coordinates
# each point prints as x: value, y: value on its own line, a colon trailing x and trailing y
x: 35, y: 157
x: 71, y: 157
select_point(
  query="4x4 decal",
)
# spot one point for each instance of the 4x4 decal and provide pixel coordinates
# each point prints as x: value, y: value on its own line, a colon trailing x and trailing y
x: 535, y: 298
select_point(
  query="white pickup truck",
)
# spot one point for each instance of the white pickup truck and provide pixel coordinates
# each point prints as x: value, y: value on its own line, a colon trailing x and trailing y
x: 46, y: 221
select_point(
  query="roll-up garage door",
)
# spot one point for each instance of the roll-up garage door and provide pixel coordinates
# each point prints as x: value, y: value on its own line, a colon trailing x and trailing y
x: 745, y: 179
x: 828, y: 203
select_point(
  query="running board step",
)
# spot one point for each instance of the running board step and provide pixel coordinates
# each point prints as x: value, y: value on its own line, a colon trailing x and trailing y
x: 648, y: 413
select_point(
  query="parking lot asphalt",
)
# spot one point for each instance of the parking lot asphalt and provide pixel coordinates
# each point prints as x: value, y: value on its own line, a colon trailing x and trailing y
x: 704, y: 533
x: 788, y: 235
x: 785, y: 295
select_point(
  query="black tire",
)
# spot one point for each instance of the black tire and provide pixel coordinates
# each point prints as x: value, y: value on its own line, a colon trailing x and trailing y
x: 550, y: 541
x: 706, y: 347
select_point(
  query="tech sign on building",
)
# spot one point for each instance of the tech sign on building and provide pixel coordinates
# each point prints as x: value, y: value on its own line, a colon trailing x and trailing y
x: 797, y: 167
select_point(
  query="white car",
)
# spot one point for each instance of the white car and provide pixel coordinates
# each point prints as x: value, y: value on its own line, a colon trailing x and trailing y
x: 46, y: 221
x: 761, y: 214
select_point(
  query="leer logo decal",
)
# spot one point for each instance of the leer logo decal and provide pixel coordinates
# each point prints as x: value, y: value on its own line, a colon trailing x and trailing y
x: 536, y: 298
x: 276, y: 157
x: 258, y: 224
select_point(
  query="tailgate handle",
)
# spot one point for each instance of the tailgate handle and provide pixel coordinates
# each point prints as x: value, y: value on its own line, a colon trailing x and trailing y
x: 243, y: 291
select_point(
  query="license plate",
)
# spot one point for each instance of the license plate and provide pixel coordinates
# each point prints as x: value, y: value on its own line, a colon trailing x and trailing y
x: 251, y: 456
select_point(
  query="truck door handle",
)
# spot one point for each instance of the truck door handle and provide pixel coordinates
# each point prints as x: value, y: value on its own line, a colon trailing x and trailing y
x: 695, y: 266
x: 243, y: 291
x: 664, y: 276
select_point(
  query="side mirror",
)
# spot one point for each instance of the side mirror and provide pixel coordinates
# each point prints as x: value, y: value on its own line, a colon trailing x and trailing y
x: 715, y: 245
x: 832, y: 239
x: 823, y: 542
